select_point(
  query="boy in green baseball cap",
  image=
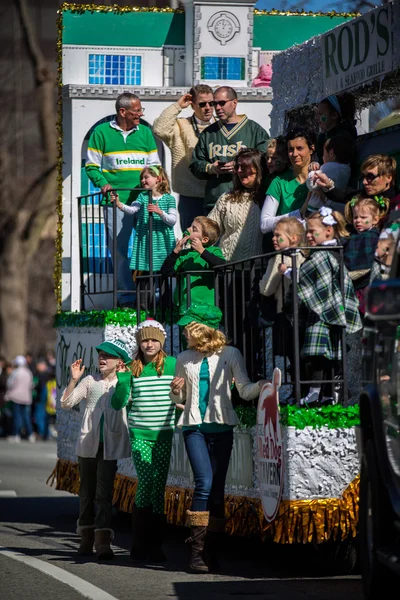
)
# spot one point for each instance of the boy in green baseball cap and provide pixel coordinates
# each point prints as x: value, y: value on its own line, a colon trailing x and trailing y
x: 102, y: 440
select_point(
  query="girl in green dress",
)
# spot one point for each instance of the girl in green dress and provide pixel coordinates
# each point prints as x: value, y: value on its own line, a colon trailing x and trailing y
x: 162, y: 205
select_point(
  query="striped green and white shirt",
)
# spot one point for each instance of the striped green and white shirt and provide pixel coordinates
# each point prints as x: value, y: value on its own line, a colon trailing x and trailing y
x: 151, y: 414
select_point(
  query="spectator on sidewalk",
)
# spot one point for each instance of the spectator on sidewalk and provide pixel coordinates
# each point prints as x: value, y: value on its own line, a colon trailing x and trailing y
x: 19, y: 392
x: 181, y: 136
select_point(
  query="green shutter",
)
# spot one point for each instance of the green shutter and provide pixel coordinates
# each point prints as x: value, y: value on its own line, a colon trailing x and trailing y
x: 202, y: 68
x: 242, y: 68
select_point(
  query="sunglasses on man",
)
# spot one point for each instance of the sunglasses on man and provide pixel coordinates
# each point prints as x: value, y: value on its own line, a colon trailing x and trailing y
x: 370, y: 177
x: 213, y: 103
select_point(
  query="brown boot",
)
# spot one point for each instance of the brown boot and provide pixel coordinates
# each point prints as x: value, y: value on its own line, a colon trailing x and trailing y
x: 102, y: 541
x: 212, y: 544
x: 87, y: 541
x: 198, y: 521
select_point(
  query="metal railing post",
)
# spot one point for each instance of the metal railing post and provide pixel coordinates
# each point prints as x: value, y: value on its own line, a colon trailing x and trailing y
x: 344, y: 334
x: 296, y: 337
x: 115, y: 257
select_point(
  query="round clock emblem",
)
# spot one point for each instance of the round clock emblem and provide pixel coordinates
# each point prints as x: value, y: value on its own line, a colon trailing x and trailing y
x: 223, y: 26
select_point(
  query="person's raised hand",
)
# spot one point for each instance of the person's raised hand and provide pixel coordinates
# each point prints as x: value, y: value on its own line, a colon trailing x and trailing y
x: 180, y: 244
x: 314, y: 166
x: 77, y: 369
x: 177, y: 385
x: 197, y: 245
x: 154, y: 208
x: 282, y: 269
x: 106, y: 188
x: 324, y: 181
x: 228, y: 167
x: 185, y: 100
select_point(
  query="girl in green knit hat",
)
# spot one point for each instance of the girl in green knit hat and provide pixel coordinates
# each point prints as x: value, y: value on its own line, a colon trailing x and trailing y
x: 151, y: 420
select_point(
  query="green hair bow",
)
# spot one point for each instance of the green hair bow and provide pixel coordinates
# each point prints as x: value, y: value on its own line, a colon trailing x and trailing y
x: 380, y: 201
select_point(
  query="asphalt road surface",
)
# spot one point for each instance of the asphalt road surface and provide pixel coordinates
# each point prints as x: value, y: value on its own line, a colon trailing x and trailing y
x: 38, y: 552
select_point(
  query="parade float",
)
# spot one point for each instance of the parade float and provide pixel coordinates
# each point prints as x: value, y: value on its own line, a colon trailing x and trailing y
x: 293, y: 476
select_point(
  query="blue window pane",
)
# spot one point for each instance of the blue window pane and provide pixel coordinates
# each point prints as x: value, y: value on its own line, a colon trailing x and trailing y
x: 222, y: 67
x: 115, y: 69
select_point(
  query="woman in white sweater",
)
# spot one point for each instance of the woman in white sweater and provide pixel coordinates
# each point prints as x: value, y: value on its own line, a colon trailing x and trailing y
x: 238, y: 212
x: 202, y: 383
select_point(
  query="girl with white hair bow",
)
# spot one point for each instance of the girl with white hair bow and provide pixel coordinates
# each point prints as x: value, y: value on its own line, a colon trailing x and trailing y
x: 329, y: 311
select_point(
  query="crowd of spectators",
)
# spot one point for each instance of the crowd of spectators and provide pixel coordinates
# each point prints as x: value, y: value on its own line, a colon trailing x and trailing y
x: 28, y: 398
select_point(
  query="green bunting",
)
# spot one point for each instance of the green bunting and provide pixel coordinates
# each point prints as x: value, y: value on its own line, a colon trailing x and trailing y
x: 97, y: 318
x: 333, y: 417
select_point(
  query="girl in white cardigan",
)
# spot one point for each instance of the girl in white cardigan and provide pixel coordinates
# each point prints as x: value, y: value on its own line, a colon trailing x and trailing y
x: 202, y: 383
x: 102, y: 440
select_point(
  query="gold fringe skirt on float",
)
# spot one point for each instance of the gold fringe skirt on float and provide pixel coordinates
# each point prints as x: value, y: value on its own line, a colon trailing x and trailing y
x: 297, y: 522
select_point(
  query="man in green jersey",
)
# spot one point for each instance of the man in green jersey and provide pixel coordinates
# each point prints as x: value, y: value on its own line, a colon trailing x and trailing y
x: 117, y: 152
x: 219, y: 143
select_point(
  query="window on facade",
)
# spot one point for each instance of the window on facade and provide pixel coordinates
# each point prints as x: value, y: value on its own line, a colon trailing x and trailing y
x: 222, y: 67
x: 115, y: 69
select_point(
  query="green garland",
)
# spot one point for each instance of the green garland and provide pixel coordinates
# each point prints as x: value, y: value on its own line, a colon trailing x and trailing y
x: 333, y: 417
x: 97, y: 318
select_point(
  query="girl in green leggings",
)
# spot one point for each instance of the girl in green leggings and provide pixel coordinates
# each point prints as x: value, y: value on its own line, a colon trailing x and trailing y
x: 151, y: 416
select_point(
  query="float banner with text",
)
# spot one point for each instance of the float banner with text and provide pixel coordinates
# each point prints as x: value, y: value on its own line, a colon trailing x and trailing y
x: 358, y: 51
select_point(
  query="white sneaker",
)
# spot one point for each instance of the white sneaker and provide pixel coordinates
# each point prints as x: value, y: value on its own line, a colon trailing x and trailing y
x: 311, y: 398
x: 32, y: 438
x: 14, y: 439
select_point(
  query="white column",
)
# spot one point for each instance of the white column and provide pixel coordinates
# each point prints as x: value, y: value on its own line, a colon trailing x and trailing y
x: 189, y: 40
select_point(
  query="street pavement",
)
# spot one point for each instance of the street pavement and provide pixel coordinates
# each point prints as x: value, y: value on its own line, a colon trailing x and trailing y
x: 38, y: 552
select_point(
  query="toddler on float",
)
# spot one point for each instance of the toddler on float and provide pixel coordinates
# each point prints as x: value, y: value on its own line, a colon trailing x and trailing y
x: 328, y: 312
x: 103, y: 439
x: 151, y: 418
x: 365, y: 215
x: 199, y: 254
x: 163, y: 209
x: 337, y: 155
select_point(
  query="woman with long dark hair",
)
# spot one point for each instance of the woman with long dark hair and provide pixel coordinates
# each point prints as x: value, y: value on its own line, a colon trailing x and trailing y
x: 238, y: 211
x: 288, y: 191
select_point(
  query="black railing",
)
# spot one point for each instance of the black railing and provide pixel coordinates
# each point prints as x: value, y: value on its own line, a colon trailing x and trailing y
x: 248, y: 317
x: 98, y: 274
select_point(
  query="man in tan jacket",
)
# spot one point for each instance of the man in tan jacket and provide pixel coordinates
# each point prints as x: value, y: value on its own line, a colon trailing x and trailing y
x: 181, y: 136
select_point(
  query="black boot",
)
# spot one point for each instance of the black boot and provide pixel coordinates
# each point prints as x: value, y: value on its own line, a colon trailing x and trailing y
x: 158, y: 524
x: 141, y: 523
x: 212, y: 544
x: 198, y: 521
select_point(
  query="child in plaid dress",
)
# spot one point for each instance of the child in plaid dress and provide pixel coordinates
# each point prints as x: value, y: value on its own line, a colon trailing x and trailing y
x: 365, y: 215
x: 328, y: 311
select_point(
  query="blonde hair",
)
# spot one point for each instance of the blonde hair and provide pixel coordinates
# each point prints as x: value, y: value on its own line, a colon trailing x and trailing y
x: 293, y: 226
x: 385, y: 164
x: 205, y: 339
x: 209, y: 228
x: 138, y: 364
x: 163, y: 186
x: 371, y: 203
x: 339, y: 228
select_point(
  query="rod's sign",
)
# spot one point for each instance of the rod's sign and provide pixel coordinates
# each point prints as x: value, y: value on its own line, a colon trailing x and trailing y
x: 270, y: 455
x: 357, y: 51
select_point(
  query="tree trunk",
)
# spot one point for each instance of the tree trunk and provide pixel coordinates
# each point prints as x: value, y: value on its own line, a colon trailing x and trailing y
x: 13, y: 297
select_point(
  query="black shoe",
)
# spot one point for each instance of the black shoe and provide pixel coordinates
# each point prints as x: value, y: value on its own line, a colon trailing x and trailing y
x: 158, y: 525
x: 141, y: 531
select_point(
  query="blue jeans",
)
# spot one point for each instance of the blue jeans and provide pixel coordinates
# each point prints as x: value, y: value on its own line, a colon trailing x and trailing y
x: 209, y: 455
x: 124, y: 229
x: 189, y: 207
x: 41, y: 416
x: 21, y: 418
